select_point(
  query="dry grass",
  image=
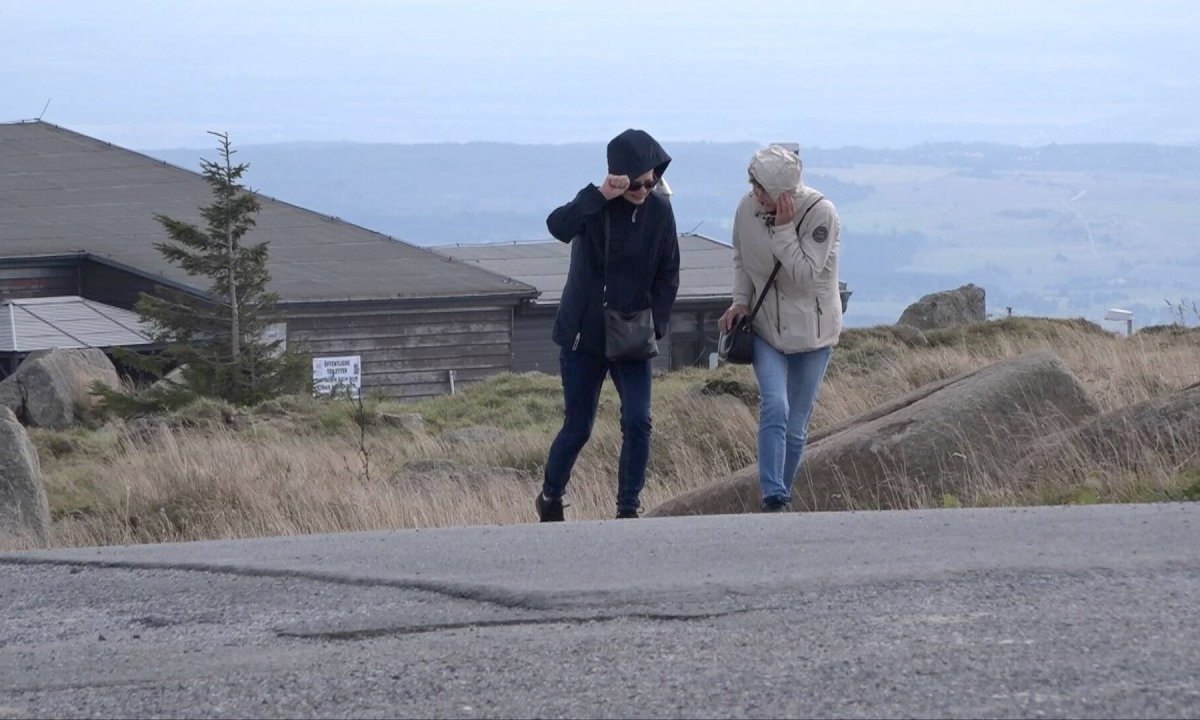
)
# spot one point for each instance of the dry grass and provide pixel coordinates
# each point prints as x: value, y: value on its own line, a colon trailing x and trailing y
x: 296, y: 465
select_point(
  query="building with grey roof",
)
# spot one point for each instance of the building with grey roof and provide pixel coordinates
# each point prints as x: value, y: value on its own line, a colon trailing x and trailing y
x: 77, y: 218
x: 705, y: 284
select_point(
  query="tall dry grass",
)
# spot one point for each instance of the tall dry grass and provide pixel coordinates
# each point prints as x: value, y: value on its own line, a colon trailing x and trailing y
x: 302, y: 466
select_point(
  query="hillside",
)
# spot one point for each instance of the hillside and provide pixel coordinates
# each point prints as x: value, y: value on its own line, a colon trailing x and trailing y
x: 1060, y: 231
x: 298, y: 465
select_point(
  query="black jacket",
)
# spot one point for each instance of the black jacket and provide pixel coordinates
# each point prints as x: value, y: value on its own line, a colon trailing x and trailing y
x: 643, y: 258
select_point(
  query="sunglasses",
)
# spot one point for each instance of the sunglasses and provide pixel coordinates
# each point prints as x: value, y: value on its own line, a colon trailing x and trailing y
x: 648, y: 184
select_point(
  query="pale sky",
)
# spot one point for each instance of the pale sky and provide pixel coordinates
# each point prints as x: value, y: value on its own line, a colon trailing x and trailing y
x: 159, y: 73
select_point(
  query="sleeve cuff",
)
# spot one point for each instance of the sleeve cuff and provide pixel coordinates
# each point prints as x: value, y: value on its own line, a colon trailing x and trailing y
x: 590, y: 200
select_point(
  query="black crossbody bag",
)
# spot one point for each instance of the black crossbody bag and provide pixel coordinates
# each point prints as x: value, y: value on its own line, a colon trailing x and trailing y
x: 627, y: 336
x: 737, y: 345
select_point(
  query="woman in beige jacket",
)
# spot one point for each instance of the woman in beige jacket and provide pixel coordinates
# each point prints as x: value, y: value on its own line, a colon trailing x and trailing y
x: 800, y: 320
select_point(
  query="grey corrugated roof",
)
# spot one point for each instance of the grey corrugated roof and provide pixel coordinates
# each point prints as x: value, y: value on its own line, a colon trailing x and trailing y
x: 66, y: 322
x: 705, y: 265
x: 63, y: 192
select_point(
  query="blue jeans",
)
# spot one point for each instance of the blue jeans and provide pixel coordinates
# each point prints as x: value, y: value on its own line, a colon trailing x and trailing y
x: 788, y: 385
x: 582, y: 377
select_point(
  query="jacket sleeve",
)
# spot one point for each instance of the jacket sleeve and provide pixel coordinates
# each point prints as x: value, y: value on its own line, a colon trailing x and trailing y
x: 743, y: 286
x: 567, y: 221
x: 666, y: 279
x: 806, y: 256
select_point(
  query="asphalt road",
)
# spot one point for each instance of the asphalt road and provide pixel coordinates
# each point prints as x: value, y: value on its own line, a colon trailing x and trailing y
x: 1062, y: 612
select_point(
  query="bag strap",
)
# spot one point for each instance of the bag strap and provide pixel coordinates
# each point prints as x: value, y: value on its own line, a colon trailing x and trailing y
x: 763, y: 295
x: 645, y: 211
x: 778, y: 264
x: 604, y: 290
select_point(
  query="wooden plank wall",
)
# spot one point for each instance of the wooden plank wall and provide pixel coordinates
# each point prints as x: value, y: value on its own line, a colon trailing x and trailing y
x: 408, y: 353
x: 694, y: 330
x: 113, y: 286
x: 533, y: 348
x: 36, y: 281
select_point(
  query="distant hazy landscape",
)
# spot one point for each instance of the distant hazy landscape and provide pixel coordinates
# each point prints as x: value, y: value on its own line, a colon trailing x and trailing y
x: 1060, y: 230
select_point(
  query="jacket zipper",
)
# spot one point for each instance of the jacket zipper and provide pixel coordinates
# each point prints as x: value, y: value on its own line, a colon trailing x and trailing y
x: 819, y: 313
x: 575, y: 345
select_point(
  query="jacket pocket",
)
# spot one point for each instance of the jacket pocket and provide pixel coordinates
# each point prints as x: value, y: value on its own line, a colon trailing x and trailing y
x: 819, y: 314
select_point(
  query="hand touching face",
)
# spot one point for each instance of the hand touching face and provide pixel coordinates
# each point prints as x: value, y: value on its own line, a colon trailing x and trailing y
x: 614, y: 186
x: 634, y: 191
x: 783, y: 206
x: 785, y: 209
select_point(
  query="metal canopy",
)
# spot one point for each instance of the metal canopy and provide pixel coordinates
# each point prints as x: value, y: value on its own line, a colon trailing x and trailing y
x: 69, y: 321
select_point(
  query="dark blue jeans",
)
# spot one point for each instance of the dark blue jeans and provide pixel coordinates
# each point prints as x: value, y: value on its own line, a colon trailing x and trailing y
x: 582, y: 377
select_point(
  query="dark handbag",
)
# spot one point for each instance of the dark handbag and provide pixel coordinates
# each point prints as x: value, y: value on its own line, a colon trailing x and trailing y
x: 737, y: 345
x: 627, y: 335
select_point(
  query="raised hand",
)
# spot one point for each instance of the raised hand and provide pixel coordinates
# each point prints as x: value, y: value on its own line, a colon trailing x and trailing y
x: 614, y: 186
x: 785, y: 209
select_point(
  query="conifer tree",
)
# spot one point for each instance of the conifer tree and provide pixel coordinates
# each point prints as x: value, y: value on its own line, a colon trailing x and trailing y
x: 218, y: 341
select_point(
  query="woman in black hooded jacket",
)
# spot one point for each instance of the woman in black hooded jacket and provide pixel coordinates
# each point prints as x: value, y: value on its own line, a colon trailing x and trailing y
x: 642, y: 271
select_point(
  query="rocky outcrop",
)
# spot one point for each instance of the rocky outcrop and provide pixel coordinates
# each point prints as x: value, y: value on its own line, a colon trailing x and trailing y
x: 967, y: 304
x: 1164, y: 431
x: 51, y: 387
x: 474, y: 435
x: 23, y: 506
x: 928, y: 443
x: 411, y: 423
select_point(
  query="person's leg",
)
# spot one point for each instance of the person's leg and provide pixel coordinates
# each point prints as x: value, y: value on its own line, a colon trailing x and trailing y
x: 633, y: 381
x: 770, y: 369
x: 582, y: 378
x: 805, y: 371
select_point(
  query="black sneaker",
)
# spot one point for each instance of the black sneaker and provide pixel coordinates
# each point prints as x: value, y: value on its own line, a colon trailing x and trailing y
x: 628, y: 513
x: 549, y: 510
x: 775, y: 505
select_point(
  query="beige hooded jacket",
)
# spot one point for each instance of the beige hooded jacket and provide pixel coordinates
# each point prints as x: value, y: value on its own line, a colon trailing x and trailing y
x: 803, y: 308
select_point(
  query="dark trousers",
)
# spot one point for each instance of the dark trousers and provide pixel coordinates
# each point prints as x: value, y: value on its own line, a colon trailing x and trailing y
x: 582, y: 377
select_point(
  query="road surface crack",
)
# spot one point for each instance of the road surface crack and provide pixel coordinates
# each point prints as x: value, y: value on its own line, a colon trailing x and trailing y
x: 415, y: 629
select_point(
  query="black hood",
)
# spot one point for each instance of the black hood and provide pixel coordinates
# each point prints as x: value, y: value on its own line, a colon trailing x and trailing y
x: 633, y: 152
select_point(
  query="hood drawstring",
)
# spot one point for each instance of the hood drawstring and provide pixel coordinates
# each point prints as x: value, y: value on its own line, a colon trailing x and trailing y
x: 634, y: 218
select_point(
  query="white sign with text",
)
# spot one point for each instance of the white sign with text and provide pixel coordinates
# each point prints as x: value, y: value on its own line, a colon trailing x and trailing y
x: 340, y: 376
